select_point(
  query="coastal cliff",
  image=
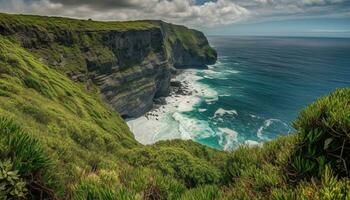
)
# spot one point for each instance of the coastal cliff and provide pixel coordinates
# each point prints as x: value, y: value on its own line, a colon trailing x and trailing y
x: 131, y: 63
x: 59, y: 140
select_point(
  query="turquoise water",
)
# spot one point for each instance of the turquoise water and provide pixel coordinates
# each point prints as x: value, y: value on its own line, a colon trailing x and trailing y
x: 262, y: 83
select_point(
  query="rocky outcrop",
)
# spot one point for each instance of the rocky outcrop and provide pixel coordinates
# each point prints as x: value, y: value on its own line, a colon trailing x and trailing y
x: 130, y: 67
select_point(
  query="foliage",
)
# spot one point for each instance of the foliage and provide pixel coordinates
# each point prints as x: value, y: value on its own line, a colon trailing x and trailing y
x: 23, y: 163
x: 11, y: 185
x: 323, y: 137
x: 191, y: 40
x: 54, y: 23
x: 177, y: 163
x: 70, y: 122
x: 206, y: 192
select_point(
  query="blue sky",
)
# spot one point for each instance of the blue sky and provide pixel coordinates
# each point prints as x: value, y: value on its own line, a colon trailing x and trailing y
x: 319, y: 27
x: 322, y: 18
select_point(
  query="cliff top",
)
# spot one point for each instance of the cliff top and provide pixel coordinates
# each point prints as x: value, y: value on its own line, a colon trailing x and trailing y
x: 74, y: 24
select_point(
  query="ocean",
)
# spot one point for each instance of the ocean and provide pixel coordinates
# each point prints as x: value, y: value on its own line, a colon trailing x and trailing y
x: 252, y: 94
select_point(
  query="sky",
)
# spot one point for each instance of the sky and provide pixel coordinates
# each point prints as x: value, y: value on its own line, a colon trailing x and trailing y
x: 324, y: 18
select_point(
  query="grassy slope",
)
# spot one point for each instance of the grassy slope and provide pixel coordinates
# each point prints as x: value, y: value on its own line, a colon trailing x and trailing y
x: 52, y: 23
x: 58, y: 138
x: 74, y: 124
x: 80, y: 135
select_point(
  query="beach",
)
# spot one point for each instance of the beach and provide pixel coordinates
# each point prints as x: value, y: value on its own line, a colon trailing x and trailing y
x: 166, y: 120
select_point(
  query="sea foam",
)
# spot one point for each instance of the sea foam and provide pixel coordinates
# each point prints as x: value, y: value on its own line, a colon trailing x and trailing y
x: 170, y: 121
x: 221, y: 112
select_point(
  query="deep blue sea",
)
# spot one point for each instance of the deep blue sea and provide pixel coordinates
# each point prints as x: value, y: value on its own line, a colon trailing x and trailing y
x: 267, y: 81
x: 257, y: 88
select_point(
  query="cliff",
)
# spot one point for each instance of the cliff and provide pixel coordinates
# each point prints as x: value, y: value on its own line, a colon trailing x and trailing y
x: 131, y: 63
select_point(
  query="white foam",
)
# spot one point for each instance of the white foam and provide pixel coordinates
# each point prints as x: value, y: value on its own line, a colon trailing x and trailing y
x: 210, y: 71
x: 253, y: 116
x: 267, y: 123
x: 192, y: 128
x: 202, y: 110
x: 143, y: 129
x: 168, y: 122
x: 227, y: 138
x: 231, y: 133
x: 252, y: 143
x: 221, y: 112
x: 233, y: 71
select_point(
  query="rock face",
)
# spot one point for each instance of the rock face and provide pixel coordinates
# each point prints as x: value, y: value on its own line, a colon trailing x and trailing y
x: 130, y: 67
x: 140, y: 72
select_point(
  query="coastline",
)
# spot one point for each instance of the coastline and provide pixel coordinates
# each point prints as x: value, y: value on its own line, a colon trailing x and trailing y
x: 166, y: 120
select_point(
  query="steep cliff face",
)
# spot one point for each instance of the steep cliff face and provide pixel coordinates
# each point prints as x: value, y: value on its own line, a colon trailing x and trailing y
x: 130, y: 62
x: 139, y: 73
x: 188, y: 48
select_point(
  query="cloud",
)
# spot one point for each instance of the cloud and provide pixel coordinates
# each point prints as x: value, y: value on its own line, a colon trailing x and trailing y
x: 177, y: 11
x: 282, y: 8
x: 188, y: 12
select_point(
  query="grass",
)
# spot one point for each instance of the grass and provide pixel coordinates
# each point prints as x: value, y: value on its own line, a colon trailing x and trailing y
x: 195, y: 42
x: 72, y: 123
x: 54, y: 23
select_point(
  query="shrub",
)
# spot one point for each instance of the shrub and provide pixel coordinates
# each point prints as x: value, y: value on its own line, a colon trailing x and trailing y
x: 11, y: 185
x: 90, y: 189
x: 27, y: 159
x: 323, y: 137
x: 153, y: 192
x: 207, y: 192
x: 175, y: 162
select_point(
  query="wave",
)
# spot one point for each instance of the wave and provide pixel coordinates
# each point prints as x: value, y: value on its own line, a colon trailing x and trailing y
x: 233, y: 71
x: 221, y: 112
x: 169, y: 121
x: 252, y: 143
x: 267, y: 123
x: 192, y: 128
x: 228, y: 138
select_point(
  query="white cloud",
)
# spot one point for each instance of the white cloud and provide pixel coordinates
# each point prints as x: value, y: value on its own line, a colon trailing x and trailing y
x: 209, y: 14
x: 176, y: 11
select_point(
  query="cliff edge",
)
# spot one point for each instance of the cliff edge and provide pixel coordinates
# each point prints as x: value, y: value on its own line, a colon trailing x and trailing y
x: 131, y: 63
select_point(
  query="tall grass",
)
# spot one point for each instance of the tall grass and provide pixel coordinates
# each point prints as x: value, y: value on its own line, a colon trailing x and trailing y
x: 26, y: 158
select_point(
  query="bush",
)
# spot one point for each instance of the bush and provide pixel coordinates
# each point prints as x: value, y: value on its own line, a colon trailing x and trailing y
x: 91, y: 189
x: 11, y: 185
x: 27, y: 160
x: 207, y: 192
x: 177, y: 163
x: 323, y: 137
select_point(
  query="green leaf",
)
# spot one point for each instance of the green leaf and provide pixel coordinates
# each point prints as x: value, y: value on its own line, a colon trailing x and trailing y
x: 327, y: 142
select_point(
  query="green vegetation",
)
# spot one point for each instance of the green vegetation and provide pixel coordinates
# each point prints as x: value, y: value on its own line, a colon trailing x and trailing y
x: 192, y: 41
x: 71, y: 45
x: 58, y: 140
x: 61, y: 23
x: 324, y: 137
